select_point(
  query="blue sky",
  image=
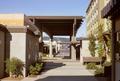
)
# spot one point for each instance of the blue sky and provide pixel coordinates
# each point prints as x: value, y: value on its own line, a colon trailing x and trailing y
x: 47, y: 8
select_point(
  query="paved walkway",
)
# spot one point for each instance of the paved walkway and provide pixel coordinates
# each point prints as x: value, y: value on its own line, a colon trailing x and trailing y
x: 64, y: 70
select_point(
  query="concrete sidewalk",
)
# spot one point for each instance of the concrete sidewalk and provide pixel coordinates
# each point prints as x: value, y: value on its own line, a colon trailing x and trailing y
x: 63, y: 70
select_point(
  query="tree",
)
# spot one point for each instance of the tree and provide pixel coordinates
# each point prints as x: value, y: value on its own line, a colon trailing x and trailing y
x: 100, y: 46
x: 92, y: 45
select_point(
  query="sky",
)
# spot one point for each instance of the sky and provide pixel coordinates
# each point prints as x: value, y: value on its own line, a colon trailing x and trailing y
x: 48, y: 8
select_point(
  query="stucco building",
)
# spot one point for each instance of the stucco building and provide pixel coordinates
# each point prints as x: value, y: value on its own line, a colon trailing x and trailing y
x: 24, y: 38
x: 96, y: 25
x: 21, y: 40
x: 94, y: 19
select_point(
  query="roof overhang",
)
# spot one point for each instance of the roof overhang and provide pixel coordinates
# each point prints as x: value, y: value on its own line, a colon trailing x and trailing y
x: 57, y: 25
x: 111, y: 9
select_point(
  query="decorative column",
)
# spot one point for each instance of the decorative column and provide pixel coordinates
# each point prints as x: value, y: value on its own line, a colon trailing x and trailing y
x: 50, y: 47
x: 73, y: 39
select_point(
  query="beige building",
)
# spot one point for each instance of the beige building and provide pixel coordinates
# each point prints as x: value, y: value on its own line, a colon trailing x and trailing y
x: 22, y: 40
x: 94, y: 19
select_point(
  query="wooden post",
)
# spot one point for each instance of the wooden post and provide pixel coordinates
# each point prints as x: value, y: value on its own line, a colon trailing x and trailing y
x: 113, y: 49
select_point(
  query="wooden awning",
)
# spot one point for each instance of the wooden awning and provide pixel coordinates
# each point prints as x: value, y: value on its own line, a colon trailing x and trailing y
x: 111, y: 9
x: 57, y: 25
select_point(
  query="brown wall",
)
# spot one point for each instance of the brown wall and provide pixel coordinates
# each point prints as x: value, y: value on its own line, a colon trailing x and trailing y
x: 5, y: 38
x: 32, y: 48
x: 2, y: 53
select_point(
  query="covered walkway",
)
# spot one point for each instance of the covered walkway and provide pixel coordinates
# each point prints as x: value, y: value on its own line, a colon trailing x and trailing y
x: 59, y: 26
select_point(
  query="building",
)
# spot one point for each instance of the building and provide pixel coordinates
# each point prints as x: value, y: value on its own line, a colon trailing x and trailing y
x: 24, y: 39
x: 112, y: 11
x: 96, y: 23
x: 94, y: 19
x: 93, y: 16
x: 21, y: 40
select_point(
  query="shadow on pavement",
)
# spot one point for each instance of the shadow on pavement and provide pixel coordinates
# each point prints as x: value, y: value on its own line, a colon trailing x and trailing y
x: 66, y: 57
x: 72, y: 78
x: 52, y: 65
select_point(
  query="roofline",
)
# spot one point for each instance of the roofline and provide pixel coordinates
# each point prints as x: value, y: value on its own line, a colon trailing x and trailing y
x: 57, y: 17
x: 89, y: 6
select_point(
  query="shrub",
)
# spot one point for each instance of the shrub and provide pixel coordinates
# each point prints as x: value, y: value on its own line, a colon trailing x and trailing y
x: 35, y: 68
x: 99, y: 71
x: 91, y: 66
x: 14, y: 66
x: 106, y: 64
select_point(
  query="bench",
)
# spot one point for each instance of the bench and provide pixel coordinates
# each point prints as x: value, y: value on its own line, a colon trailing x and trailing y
x: 91, y: 60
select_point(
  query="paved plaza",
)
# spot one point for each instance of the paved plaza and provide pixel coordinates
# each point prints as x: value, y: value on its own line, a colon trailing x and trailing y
x: 65, y: 70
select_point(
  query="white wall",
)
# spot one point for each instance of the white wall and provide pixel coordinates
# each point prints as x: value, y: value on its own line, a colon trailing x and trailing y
x: 18, y: 46
x: 85, y: 48
x: 84, y: 51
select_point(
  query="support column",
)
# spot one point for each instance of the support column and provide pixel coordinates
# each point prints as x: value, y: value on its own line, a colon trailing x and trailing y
x: 50, y: 47
x: 73, y: 49
x: 73, y: 39
x: 41, y: 44
x: 56, y: 48
x: 70, y: 47
x: 113, y: 51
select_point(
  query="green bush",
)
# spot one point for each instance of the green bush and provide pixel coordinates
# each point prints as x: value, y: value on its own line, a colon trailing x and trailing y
x: 99, y: 71
x: 107, y: 64
x: 14, y: 66
x: 91, y: 66
x: 35, y: 68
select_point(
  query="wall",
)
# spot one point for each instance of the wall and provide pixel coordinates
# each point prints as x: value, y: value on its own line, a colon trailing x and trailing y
x: 32, y: 49
x: 2, y: 53
x: 117, y: 71
x: 18, y: 46
x: 85, y: 48
x: 12, y: 19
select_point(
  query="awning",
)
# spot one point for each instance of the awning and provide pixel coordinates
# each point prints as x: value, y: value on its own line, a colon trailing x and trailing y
x: 57, y: 25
